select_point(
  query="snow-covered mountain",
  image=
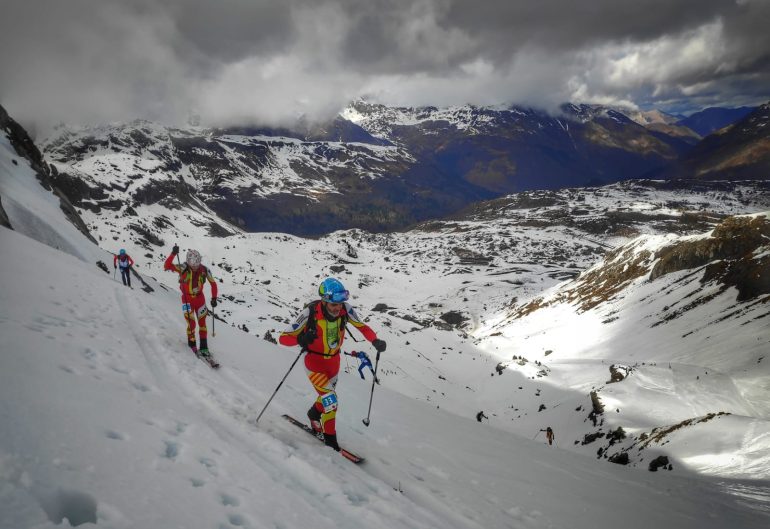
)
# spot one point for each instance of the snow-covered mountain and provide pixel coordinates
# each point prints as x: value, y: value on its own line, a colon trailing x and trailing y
x: 254, y: 180
x: 375, y: 167
x: 516, y: 307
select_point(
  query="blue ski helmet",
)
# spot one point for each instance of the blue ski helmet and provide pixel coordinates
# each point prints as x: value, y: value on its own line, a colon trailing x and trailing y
x: 332, y: 290
x: 122, y: 252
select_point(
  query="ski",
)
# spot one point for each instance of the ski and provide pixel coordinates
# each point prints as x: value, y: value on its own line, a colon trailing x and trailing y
x: 209, y: 358
x: 210, y: 361
x: 350, y: 456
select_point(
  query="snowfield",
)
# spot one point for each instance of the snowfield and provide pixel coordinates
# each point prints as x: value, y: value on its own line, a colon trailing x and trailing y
x: 109, y: 421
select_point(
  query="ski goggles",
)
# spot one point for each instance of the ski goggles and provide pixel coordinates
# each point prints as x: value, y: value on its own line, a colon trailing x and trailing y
x: 336, y: 297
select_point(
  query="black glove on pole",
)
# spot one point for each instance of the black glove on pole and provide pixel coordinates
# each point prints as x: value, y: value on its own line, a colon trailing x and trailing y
x: 304, y: 339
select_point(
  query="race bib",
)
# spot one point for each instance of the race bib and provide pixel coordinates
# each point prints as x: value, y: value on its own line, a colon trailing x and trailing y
x: 329, y: 401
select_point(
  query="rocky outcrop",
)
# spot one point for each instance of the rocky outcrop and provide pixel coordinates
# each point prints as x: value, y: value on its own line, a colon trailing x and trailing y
x: 658, y: 462
x: 4, y: 221
x: 618, y: 373
x: 736, y: 255
x: 25, y: 147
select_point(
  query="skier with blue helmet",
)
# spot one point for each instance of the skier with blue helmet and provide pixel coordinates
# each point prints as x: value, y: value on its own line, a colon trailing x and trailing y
x: 320, y: 330
x: 125, y: 262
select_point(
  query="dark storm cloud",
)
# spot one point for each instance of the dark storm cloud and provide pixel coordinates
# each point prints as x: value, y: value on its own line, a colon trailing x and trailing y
x: 270, y: 61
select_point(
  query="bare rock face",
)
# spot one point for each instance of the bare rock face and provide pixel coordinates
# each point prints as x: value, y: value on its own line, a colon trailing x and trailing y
x: 734, y: 238
x: 25, y: 147
x: 619, y: 458
x: 4, y: 221
x: 618, y: 373
x: 658, y: 462
x: 454, y: 318
x: 733, y: 255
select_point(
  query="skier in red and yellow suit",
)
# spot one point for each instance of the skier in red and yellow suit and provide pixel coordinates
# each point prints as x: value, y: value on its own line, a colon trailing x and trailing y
x: 322, y: 345
x: 192, y: 276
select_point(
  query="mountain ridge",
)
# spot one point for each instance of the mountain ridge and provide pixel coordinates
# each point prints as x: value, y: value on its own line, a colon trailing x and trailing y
x: 401, y: 167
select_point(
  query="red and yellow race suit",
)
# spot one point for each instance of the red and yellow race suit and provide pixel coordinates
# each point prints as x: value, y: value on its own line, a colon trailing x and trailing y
x: 322, y: 361
x: 193, y: 301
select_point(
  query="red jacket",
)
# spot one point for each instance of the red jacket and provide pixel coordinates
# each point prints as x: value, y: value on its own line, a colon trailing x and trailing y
x: 124, y: 263
x: 329, y: 336
x: 191, y: 282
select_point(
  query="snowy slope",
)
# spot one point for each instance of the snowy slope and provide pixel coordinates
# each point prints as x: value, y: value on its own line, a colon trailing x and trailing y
x: 688, y: 346
x: 35, y: 212
x: 108, y: 413
x: 107, y: 418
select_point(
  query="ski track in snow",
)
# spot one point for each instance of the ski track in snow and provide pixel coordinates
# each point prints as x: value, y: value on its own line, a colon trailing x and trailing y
x: 226, y: 417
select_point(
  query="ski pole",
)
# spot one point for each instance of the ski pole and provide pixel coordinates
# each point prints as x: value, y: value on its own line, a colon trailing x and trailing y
x: 371, y: 396
x: 213, y: 315
x: 279, y: 386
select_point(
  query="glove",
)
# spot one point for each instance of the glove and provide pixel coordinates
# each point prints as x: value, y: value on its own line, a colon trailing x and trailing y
x: 175, y: 250
x: 379, y: 345
x: 305, y: 339
x: 115, y: 266
x: 214, y: 302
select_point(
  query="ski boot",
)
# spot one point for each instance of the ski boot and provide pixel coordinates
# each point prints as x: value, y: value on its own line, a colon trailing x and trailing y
x: 315, y: 421
x: 330, y: 440
x: 204, y: 350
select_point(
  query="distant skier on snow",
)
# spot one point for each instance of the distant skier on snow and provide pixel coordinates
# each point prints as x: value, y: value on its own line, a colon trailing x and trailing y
x: 192, y: 276
x: 320, y: 331
x: 549, y: 435
x: 480, y: 415
x: 125, y: 262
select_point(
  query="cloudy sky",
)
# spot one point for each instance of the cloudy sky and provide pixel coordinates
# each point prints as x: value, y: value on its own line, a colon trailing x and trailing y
x: 242, y: 61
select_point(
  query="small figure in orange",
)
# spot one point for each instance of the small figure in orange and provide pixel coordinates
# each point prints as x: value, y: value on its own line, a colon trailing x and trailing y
x: 192, y: 276
x: 549, y: 435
